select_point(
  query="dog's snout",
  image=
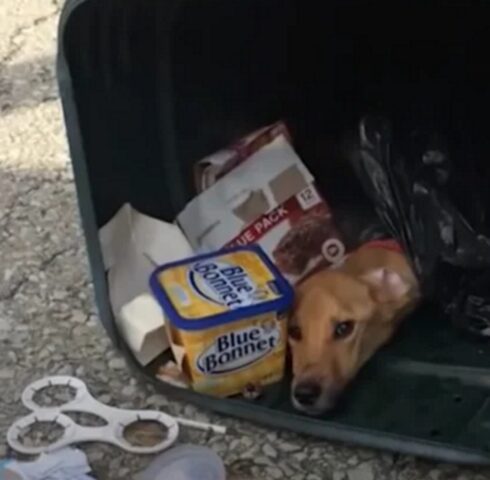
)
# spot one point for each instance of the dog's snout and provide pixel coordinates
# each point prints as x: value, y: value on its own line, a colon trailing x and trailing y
x: 307, y: 394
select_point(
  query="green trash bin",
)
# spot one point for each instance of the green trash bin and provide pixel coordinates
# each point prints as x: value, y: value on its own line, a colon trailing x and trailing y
x: 149, y: 87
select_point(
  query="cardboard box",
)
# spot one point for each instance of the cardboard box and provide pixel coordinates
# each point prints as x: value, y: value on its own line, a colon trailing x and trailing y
x: 269, y: 198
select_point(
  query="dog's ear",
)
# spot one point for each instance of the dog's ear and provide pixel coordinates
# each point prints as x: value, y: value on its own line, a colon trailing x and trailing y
x: 386, y: 285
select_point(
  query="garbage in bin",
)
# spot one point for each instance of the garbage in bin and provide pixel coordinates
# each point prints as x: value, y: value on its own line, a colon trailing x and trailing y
x: 131, y: 249
x: 284, y: 212
x: 269, y: 198
x: 410, y: 178
x: 227, y: 312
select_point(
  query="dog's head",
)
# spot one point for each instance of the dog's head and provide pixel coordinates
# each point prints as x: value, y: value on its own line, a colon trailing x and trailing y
x: 338, y: 322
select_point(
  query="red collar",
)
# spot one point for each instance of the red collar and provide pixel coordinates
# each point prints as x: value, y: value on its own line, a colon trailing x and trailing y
x: 388, y: 244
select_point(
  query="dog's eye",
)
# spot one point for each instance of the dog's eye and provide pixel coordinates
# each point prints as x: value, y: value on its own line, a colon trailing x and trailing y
x: 343, y: 329
x: 294, y: 332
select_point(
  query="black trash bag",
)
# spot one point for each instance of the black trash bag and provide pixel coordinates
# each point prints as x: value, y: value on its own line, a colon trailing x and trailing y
x: 435, y: 211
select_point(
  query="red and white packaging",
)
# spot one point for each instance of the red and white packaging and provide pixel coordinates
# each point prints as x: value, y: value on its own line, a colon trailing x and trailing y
x: 269, y: 198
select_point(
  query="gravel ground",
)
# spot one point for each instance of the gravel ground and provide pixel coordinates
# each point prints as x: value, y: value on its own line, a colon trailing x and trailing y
x: 48, y: 322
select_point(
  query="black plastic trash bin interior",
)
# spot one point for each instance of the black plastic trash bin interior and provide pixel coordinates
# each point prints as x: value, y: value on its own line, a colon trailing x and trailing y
x: 150, y: 86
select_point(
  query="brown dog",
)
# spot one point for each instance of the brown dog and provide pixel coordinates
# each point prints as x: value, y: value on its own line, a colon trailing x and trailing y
x: 342, y: 316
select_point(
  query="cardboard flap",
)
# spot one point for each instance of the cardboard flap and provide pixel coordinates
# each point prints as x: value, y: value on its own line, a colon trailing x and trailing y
x: 272, y: 173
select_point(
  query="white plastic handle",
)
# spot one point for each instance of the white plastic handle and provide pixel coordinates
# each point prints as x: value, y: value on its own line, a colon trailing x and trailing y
x: 73, y: 433
x: 117, y: 420
x: 201, y: 425
x: 113, y: 432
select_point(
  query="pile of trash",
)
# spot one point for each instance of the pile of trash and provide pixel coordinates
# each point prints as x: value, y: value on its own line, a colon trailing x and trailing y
x: 259, y: 192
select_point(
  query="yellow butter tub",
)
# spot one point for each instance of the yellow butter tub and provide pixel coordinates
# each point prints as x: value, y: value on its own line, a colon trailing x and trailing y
x: 227, y: 312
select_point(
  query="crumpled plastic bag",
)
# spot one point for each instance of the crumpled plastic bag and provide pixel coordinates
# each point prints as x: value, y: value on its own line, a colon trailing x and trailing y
x: 65, y: 464
x: 435, y: 206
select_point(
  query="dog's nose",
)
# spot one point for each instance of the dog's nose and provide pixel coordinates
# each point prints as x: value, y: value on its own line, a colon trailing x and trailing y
x: 307, y: 393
